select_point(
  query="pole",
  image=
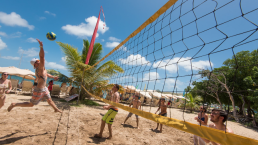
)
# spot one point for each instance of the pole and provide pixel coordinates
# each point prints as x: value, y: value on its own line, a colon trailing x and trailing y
x: 90, y: 50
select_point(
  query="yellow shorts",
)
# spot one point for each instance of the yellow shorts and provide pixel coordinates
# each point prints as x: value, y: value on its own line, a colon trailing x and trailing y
x: 110, y: 115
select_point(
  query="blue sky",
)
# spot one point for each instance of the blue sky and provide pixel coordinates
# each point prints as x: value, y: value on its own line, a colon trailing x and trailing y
x: 72, y: 21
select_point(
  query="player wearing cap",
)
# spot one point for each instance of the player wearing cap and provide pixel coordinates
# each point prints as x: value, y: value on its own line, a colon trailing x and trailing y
x: 40, y: 92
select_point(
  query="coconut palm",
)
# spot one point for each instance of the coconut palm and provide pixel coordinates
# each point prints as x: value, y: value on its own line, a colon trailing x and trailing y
x: 96, y: 77
x: 192, y: 102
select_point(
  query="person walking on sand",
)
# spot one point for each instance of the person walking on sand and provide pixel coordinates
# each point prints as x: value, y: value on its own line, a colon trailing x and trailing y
x: 110, y: 115
x: 40, y: 91
x: 137, y: 105
x: 5, y: 87
x: 163, y: 112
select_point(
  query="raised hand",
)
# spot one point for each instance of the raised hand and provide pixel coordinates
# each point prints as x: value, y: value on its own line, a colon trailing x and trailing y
x: 40, y: 43
x: 56, y: 78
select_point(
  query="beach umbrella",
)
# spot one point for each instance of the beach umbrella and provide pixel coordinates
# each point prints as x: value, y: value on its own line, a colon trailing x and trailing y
x: 16, y: 71
x: 145, y: 94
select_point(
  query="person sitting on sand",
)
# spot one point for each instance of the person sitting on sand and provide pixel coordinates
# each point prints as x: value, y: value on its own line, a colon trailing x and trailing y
x: 40, y: 92
x: 5, y: 87
x: 218, y: 117
x: 137, y: 105
x: 163, y: 112
x: 110, y: 115
x: 202, y: 119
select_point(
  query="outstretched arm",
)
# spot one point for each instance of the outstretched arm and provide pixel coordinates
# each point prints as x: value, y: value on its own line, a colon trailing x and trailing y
x: 54, y: 77
x: 41, y: 54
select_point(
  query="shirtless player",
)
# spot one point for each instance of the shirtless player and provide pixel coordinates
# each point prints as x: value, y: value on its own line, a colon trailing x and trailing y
x: 163, y: 112
x: 40, y: 91
x: 137, y: 105
x: 218, y: 117
x: 110, y: 115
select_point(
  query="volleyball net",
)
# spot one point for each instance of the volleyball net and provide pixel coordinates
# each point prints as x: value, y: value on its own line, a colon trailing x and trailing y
x: 186, y: 42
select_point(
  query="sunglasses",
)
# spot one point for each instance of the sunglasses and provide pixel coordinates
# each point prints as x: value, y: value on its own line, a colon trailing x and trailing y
x: 6, y: 74
x: 215, y: 113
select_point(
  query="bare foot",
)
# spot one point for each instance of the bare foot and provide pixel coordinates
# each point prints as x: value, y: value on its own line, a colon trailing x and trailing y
x: 138, y: 127
x: 123, y: 124
x: 57, y: 110
x: 97, y: 136
x: 156, y: 129
x: 109, y: 137
x: 10, y: 107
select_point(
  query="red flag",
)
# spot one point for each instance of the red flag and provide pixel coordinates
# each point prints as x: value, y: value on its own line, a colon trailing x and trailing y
x: 92, y: 41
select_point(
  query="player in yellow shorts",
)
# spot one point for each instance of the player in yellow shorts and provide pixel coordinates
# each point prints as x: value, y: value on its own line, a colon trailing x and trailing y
x: 110, y: 115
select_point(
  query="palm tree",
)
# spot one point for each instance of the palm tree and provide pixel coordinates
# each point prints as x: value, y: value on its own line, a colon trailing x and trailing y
x: 96, y: 77
x: 192, y: 102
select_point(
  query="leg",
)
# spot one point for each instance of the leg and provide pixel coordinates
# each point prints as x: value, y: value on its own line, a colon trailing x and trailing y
x: 157, y: 126
x: 195, y: 138
x: 125, y: 120
x: 128, y: 116
x: 160, y: 128
x: 103, y: 123
x: 2, y: 100
x: 25, y: 104
x: 52, y: 104
x: 110, y: 131
x: 137, y: 121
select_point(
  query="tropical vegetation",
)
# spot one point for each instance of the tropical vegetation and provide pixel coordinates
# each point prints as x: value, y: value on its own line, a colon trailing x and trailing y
x: 235, y: 84
x: 94, y: 80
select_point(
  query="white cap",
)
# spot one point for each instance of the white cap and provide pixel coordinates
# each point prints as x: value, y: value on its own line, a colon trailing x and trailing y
x: 32, y: 62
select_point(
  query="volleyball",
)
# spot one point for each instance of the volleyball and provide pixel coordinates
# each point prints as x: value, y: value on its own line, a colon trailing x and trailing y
x: 51, y: 36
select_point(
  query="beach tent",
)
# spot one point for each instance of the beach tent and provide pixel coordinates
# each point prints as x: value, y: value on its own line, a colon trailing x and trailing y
x: 17, y: 72
x: 129, y: 89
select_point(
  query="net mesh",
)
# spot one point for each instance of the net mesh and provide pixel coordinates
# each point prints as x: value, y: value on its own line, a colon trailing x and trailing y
x: 185, y: 45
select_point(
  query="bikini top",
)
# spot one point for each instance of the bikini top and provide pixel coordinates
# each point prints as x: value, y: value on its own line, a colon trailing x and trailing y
x: 2, y: 86
x: 202, y: 119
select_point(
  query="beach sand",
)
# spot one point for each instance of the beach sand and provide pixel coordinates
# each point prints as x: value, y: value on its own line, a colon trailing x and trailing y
x: 77, y: 125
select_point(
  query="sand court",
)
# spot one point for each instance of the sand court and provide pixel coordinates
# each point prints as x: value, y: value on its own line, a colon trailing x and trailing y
x: 77, y: 125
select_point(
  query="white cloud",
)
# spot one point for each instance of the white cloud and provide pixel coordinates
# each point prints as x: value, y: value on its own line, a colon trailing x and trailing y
x: 31, y: 40
x: 114, y: 39
x: 135, y: 60
x: 54, y: 65
x: 123, y: 48
x: 112, y: 44
x: 102, y: 40
x: 47, y: 12
x: 11, y: 57
x: 85, y: 30
x: 42, y: 18
x: 64, y: 58
x: 170, y: 83
x: 3, y: 34
x: 30, y: 52
x: 2, y: 44
x: 171, y: 65
x: 151, y: 76
x: 14, y: 19
x: 15, y: 35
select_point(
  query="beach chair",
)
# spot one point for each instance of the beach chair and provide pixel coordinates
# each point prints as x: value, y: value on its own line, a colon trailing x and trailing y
x: 26, y: 87
x: 56, y: 90
x: 68, y: 90
x: 63, y: 90
x: 14, y: 85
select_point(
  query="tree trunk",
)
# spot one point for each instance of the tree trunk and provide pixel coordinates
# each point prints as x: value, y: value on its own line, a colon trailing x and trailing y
x: 233, y: 102
x: 220, y: 105
x: 254, y: 121
x: 243, y: 106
